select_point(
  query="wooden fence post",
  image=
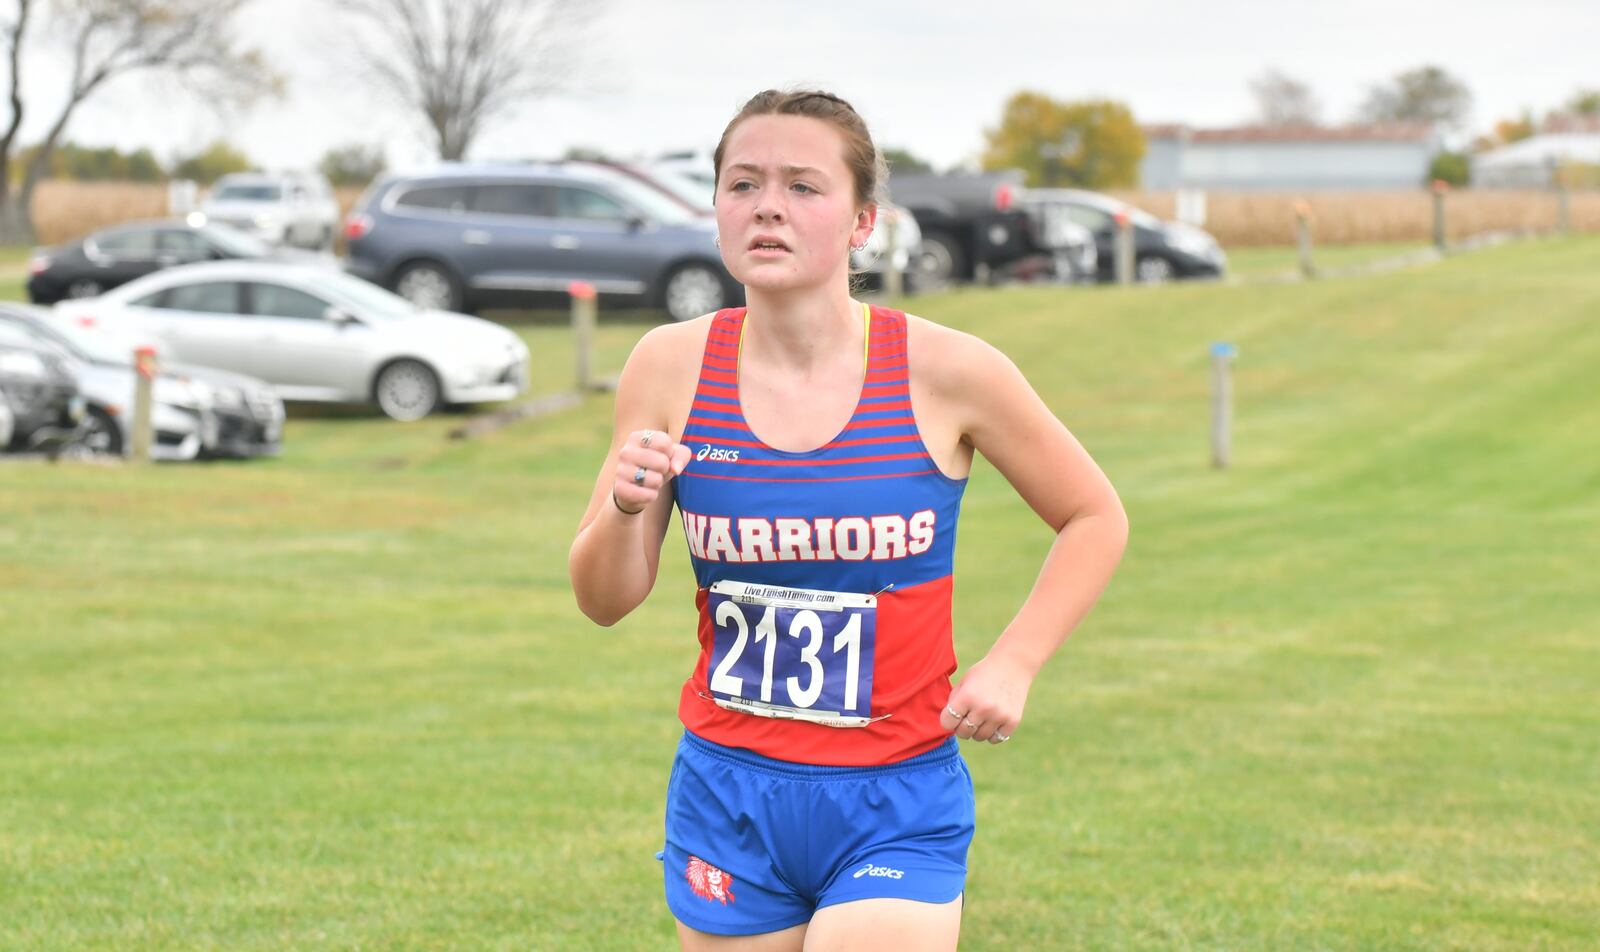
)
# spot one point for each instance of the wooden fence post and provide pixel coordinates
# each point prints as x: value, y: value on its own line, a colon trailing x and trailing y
x: 145, y: 367
x: 1440, y: 187
x: 1222, y: 355
x: 1124, y: 222
x: 584, y: 306
x: 1302, y: 218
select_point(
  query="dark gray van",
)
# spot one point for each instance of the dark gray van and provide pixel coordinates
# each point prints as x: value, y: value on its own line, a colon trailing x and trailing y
x: 468, y: 237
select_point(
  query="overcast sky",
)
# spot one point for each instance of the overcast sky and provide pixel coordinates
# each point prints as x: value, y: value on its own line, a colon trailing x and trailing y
x: 928, y: 76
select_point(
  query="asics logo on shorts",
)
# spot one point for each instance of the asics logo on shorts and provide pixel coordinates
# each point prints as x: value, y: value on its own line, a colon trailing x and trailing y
x: 717, y: 456
x: 882, y: 872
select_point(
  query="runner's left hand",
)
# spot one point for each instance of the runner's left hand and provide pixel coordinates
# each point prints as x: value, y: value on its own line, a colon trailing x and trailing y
x: 990, y: 699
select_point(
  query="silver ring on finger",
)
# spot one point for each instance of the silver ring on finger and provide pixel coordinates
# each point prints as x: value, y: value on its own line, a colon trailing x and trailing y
x: 954, y: 713
x: 999, y: 738
x: 648, y: 436
x: 638, y: 476
x: 969, y: 722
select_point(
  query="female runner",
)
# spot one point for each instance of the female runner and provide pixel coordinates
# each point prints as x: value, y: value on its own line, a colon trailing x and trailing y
x: 817, y: 449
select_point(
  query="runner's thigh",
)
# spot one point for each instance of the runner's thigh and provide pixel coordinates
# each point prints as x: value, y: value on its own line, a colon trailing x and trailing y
x: 785, y: 940
x: 870, y: 925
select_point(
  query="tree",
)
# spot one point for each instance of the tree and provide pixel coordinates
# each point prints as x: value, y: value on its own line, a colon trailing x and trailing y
x: 1427, y: 94
x: 190, y: 40
x: 458, y: 64
x: 1453, y: 168
x: 1090, y: 144
x: 902, y: 161
x: 352, y: 165
x: 216, y: 160
x: 1584, y: 102
x: 1507, y: 131
x: 1282, y: 100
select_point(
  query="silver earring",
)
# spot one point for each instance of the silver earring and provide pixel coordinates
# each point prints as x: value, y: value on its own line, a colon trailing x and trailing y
x: 717, y: 241
x: 858, y: 247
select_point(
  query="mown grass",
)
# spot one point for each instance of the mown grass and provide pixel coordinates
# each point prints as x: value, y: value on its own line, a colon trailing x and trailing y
x: 1340, y: 696
x: 1255, y: 263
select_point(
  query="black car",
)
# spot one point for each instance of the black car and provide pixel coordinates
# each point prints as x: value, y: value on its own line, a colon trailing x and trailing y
x: 112, y: 256
x: 40, y: 393
x: 975, y: 228
x: 1162, y: 250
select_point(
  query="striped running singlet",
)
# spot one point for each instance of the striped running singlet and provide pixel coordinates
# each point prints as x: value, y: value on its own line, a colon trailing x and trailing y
x: 823, y: 577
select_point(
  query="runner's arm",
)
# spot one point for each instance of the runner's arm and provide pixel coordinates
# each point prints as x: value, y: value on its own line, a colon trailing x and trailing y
x: 613, y: 560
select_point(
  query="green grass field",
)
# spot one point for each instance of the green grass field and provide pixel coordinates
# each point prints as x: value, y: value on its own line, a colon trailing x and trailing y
x: 1339, y: 697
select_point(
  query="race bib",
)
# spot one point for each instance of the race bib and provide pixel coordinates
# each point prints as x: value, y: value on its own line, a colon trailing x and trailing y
x: 793, y: 652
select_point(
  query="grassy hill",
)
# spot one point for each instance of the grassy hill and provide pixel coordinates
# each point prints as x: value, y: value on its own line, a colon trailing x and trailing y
x: 1340, y: 696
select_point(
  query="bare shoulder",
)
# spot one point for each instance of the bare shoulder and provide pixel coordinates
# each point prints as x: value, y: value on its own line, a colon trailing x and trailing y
x: 949, y: 360
x: 658, y: 380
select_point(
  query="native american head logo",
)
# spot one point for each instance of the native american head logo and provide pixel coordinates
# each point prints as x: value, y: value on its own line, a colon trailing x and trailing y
x: 709, y: 882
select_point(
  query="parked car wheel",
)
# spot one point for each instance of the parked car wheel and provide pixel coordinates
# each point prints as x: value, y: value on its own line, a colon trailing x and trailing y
x: 407, y: 390
x: 1153, y: 269
x: 938, y: 262
x: 428, y: 285
x: 101, y: 435
x: 84, y: 288
x: 693, y: 290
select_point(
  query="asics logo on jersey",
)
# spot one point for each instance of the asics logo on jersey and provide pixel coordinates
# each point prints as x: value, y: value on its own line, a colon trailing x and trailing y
x: 882, y: 872
x: 717, y: 456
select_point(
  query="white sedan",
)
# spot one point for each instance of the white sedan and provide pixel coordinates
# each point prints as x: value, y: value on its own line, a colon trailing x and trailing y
x: 315, y: 334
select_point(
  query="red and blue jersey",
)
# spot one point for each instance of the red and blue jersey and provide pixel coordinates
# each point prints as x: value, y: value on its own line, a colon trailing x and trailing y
x: 824, y: 577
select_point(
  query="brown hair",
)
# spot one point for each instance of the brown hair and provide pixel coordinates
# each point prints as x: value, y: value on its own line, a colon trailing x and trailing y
x: 860, y: 155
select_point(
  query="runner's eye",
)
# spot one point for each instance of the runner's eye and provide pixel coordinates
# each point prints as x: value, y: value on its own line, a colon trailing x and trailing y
x: 803, y: 188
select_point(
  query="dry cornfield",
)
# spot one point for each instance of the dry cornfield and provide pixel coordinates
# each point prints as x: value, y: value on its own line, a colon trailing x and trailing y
x: 1243, y: 219
x: 63, y: 210
x: 66, y: 210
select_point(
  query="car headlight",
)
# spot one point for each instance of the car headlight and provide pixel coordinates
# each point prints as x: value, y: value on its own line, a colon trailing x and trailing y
x: 1192, y: 243
x: 230, y: 397
x: 24, y: 364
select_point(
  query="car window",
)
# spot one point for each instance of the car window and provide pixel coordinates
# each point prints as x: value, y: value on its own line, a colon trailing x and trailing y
x: 1091, y: 218
x: 248, y: 193
x: 443, y: 198
x: 183, y: 243
x: 210, y: 297
x: 513, y: 199
x: 128, y: 243
x: 588, y: 205
x: 275, y: 300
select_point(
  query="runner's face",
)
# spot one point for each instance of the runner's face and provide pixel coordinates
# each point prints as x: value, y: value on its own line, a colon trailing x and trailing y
x: 786, y: 205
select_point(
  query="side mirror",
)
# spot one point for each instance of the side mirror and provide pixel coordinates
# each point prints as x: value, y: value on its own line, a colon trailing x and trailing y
x: 339, y: 316
x: 637, y: 222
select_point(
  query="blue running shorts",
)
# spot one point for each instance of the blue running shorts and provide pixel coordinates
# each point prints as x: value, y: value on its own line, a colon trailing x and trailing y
x: 756, y: 845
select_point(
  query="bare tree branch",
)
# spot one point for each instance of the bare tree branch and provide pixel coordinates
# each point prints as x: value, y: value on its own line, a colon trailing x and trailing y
x: 459, y: 64
x: 190, y: 39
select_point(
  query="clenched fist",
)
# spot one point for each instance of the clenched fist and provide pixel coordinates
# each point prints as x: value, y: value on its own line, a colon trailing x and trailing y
x: 647, y: 460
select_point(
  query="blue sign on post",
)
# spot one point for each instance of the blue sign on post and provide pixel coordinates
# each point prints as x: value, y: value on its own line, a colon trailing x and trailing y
x: 1224, y: 349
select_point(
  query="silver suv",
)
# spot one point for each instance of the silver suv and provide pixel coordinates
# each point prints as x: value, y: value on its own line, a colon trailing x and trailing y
x: 281, y: 209
x: 471, y: 237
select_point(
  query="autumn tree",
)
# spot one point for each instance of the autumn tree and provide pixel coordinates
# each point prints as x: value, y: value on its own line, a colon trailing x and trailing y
x: 352, y: 165
x: 1088, y: 144
x: 102, y: 41
x: 211, y: 163
x: 456, y: 65
x: 1282, y: 100
x: 1427, y: 94
x: 900, y: 160
x: 1584, y: 102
